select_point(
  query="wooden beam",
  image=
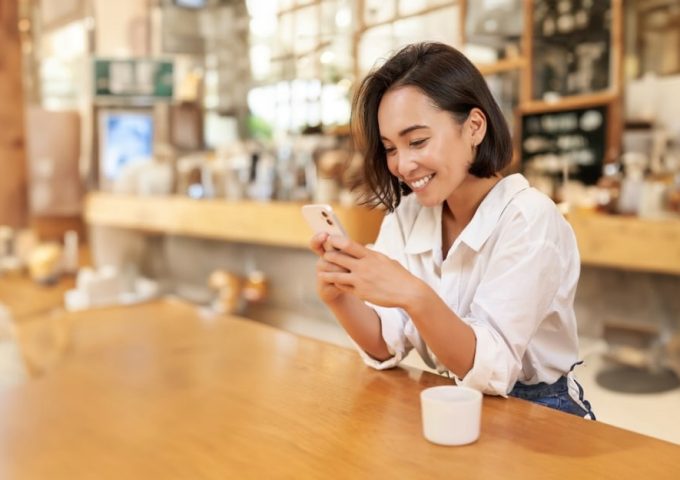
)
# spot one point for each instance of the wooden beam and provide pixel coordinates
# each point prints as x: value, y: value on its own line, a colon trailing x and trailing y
x: 526, y: 83
x: 295, y: 8
x: 616, y: 111
x: 13, y: 182
x: 462, y: 21
x: 421, y: 12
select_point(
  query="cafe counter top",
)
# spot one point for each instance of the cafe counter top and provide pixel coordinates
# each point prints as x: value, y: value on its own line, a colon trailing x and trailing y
x: 265, y: 223
x: 629, y: 243
x: 166, y: 390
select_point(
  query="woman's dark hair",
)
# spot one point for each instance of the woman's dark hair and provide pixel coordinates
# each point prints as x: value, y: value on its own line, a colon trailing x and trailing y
x: 454, y: 84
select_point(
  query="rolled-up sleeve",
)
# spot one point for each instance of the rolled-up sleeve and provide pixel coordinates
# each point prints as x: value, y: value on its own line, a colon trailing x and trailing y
x: 508, y: 307
x: 392, y: 322
x: 390, y: 242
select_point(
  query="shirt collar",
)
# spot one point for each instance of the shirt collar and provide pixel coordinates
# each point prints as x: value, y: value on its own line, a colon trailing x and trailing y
x: 490, y: 210
x: 426, y: 231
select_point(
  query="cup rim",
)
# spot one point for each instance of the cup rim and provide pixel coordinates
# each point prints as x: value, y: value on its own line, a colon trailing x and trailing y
x: 465, y: 394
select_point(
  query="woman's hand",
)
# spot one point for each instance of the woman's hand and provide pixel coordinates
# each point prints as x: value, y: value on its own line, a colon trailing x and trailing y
x: 327, y: 291
x: 369, y: 275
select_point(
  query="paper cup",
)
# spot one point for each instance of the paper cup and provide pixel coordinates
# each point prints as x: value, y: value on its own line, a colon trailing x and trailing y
x: 451, y: 415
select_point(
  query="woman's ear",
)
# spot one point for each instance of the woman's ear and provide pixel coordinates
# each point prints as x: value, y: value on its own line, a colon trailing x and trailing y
x: 477, y: 126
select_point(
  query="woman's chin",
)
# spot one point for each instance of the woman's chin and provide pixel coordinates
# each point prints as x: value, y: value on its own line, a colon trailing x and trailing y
x: 427, y: 200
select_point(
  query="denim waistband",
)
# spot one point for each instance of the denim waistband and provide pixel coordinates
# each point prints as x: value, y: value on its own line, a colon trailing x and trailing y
x: 542, y: 389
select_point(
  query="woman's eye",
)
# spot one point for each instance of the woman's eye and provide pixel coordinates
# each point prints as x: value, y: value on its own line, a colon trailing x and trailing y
x: 390, y: 150
x: 417, y: 143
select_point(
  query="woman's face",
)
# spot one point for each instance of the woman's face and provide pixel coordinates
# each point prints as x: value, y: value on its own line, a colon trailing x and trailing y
x: 425, y: 146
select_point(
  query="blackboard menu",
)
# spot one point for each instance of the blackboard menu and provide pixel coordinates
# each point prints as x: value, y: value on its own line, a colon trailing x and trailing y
x: 571, y: 47
x: 574, y: 139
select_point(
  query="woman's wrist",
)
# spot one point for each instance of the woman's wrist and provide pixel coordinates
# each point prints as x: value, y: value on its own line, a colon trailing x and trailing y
x: 418, y: 296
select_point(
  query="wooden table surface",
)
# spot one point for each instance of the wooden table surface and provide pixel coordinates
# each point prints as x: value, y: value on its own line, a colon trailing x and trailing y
x: 160, y: 391
x: 26, y: 299
x: 38, y: 315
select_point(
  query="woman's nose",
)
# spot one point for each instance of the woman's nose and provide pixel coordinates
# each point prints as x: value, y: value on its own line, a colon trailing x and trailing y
x: 406, y: 165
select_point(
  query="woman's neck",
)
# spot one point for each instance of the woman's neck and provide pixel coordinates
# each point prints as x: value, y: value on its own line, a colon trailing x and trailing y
x: 463, y: 203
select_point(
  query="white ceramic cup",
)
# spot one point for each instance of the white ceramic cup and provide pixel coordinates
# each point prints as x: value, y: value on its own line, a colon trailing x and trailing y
x: 451, y: 415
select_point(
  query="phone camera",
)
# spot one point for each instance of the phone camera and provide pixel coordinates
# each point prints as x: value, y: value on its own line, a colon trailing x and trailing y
x: 329, y: 222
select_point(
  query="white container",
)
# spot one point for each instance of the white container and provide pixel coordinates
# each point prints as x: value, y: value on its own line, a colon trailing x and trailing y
x: 451, y: 415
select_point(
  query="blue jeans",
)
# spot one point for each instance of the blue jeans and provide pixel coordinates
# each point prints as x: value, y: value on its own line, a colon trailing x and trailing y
x: 556, y: 396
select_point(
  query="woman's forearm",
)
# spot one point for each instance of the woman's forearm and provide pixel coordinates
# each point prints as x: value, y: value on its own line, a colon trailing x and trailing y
x: 362, y: 323
x: 450, y: 338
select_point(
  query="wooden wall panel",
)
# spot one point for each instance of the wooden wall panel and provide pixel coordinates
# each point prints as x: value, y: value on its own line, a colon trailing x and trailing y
x: 13, y: 189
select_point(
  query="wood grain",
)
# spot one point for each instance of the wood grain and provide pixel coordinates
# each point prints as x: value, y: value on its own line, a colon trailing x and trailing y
x: 163, y: 391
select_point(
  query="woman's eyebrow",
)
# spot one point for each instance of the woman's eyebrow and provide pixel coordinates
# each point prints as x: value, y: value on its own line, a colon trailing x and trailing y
x: 407, y: 130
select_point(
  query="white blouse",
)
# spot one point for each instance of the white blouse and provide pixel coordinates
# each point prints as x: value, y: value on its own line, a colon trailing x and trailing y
x: 511, y: 275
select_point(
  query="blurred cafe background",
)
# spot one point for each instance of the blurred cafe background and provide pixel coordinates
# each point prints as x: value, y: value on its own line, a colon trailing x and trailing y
x: 164, y: 148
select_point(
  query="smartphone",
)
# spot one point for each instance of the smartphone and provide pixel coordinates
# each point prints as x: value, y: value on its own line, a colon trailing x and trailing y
x: 321, y: 218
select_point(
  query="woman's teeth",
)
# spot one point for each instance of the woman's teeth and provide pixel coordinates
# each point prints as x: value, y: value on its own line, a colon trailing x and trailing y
x: 421, y: 182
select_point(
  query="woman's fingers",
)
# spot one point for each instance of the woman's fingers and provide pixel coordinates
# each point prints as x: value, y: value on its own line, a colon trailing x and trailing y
x: 325, y: 266
x: 345, y: 288
x: 341, y: 259
x: 338, y: 278
x: 316, y: 243
x: 348, y: 246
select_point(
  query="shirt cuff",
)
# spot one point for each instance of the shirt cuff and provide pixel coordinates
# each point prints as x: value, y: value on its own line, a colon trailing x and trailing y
x: 392, y: 329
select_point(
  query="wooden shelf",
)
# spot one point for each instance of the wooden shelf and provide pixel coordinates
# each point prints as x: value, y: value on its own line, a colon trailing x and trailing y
x: 501, y: 66
x: 627, y: 242
x: 269, y: 223
x: 568, y: 103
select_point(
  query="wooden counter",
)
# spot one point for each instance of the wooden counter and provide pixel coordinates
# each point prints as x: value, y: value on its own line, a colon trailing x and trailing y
x: 631, y: 243
x: 162, y: 391
x: 604, y: 240
x: 269, y: 223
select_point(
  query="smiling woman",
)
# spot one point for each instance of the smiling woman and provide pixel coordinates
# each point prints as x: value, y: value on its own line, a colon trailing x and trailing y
x: 475, y: 272
x: 438, y: 87
x: 435, y: 144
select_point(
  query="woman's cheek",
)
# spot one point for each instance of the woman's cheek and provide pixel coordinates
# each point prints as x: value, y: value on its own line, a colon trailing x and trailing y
x: 391, y: 166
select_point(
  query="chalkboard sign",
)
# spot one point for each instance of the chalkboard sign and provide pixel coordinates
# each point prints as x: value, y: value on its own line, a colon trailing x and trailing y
x: 571, y: 47
x: 139, y: 78
x: 573, y: 139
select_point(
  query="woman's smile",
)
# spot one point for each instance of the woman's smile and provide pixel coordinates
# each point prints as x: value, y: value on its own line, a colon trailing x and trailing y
x: 420, y: 183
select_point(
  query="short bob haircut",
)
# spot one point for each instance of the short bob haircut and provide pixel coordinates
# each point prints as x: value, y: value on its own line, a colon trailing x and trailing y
x: 454, y: 84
